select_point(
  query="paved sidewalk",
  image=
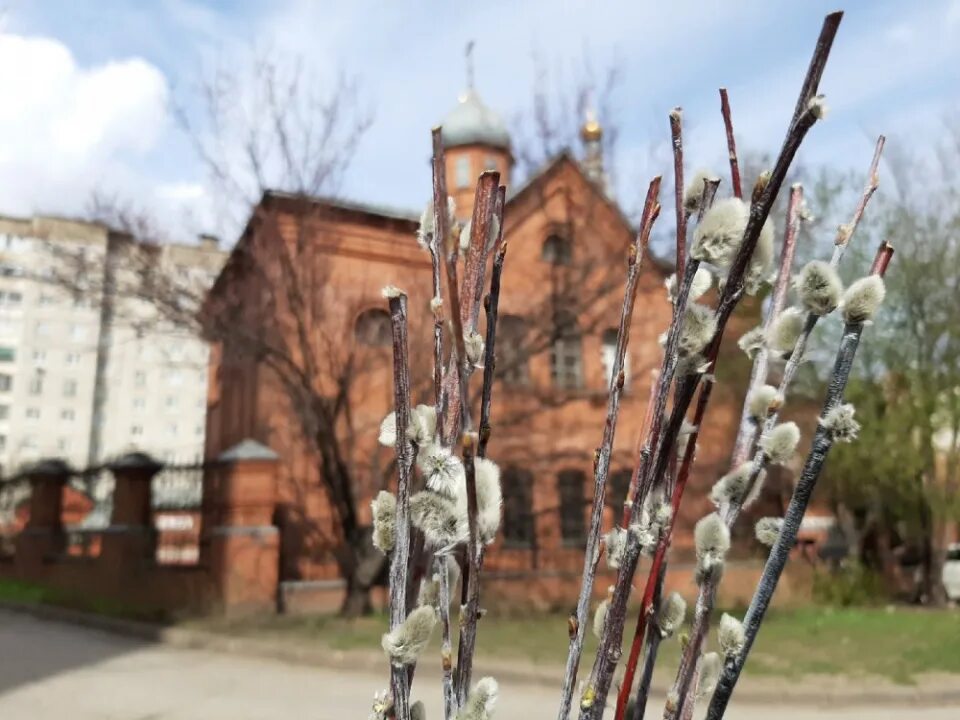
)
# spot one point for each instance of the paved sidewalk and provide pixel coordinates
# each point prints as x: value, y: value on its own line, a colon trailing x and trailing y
x: 51, y: 670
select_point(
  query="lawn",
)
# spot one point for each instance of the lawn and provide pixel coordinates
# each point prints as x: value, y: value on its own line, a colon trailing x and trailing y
x: 896, y: 643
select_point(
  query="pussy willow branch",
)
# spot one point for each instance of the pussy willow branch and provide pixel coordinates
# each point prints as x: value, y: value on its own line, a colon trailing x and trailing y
x: 609, y: 653
x: 651, y: 647
x: 676, y: 140
x: 441, y: 229
x: 731, y: 511
x: 469, y: 614
x: 654, y: 586
x: 637, y: 252
x: 731, y: 144
x: 706, y: 200
x: 491, y: 306
x: 399, y: 680
x: 446, y: 650
x: 780, y: 552
x: 758, y: 372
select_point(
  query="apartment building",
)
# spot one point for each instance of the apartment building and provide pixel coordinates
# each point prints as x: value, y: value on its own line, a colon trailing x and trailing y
x: 89, y: 366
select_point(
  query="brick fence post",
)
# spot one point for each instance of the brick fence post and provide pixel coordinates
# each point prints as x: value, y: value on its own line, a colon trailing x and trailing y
x: 130, y: 538
x: 43, y: 538
x: 242, y: 548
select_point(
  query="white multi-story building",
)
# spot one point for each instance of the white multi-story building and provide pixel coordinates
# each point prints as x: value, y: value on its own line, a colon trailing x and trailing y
x: 89, y: 367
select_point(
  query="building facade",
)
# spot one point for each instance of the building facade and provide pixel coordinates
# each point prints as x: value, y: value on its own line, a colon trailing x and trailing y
x: 559, y: 310
x: 88, y: 368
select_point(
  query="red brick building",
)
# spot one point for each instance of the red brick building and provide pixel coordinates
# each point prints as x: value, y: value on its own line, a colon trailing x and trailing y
x: 560, y: 304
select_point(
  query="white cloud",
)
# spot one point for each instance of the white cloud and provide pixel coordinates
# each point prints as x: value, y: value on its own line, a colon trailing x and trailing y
x: 70, y: 130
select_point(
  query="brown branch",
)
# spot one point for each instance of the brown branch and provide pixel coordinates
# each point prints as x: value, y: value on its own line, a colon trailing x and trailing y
x: 491, y: 306
x: 399, y: 680
x: 731, y: 144
x: 676, y: 141
x: 602, y: 465
x: 471, y: 612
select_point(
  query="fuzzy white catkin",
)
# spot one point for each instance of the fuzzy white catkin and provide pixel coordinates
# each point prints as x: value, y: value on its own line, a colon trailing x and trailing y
x: 693, y: 193
x: 767, y: 530
x: 781, y: 443
x: 421, y: 429
x: 730, y: 635
x: 489, y: 499
x: 840, y: 423
x: 388, y: 430
x: 862, y: 298
x: 819, y: 287
x: 752, y: 341
x: 762, y: 400
x: 405, y: 642
x: 481, y: 701
x: 492, y: 234
x: 785, y: 330
x: 427, y: 229
x: 702, y: 282
x: 672, y: 612
x: 734, y: 486
x: 384, y: 510
x: 710, y: 667
x: 429, y: 591
x: 599, y: 617
x: 442, y: 469
x: 758, y: 270
x: 438, y: 518
x: 683, y: 437
x: 699, y: 324
x: 417, y: 711
x: 473, y: 345
x: 717, y: 237
x: 615, y: 541
x: 391, y: 291
x: 711, y: 537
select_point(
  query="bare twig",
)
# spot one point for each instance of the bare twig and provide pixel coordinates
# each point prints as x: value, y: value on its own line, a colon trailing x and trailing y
x: 491, y: 306
x: 602, y: 465
x: 399, y: 681
x: 470, y: 613
x: 438, y: 249
x: 446, y: 650
x: 676, y: 140
x: 780, y: 552
x: 731, y: 144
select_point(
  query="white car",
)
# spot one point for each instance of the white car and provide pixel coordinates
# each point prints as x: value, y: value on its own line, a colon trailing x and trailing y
x: 951, y: 572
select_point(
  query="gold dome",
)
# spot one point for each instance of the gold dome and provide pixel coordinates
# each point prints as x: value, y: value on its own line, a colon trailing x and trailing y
x: 591, y: 130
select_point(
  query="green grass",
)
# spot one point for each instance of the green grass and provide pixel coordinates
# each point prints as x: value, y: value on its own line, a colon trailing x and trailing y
x: 33, y: 594
x: 898, y: 643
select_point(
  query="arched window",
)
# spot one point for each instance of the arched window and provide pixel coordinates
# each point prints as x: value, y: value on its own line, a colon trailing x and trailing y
x: 512, y: 359
x: 570, y: 485
x: 462, y: 172
x: 618, y: 485
x: 373, y: 328
x: 557, y: 250
x: 566, y: 362
x: 608, y: 354
x: 518, y: 526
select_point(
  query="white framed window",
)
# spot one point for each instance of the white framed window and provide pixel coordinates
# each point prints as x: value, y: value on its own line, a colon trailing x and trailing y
x: 172, y: 429
x: 68, y: 414
x: 3, y: 443
x: 33, y: 413
x: 77, y: 332
x: 29, y: 442
x: 6, y: 382
x: 39, y: 357
x: 73, y: 358
x: 140, y: 378
x: 175, y: 377
x: 63, y: 444
x: 7, y: 354
x: 4, y: 412
x: 46, y: 299
x: 36, y: 385
x: 43, y: 329
x: 172, y: 401
x: 69, y: 388
x: 136, y: 430
x: 462, y: 171
x: 139, y: 403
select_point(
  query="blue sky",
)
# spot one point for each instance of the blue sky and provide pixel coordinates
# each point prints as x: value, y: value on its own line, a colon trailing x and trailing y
x: 96, y: 81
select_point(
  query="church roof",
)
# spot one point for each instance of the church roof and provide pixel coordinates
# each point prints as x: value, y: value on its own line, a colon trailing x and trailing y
x: 473, y: 123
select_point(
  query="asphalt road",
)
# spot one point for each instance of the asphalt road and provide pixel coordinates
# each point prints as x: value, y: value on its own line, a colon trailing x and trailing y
x: 55, y: 671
